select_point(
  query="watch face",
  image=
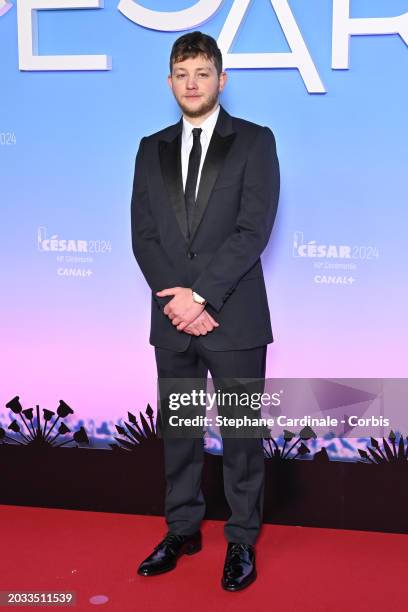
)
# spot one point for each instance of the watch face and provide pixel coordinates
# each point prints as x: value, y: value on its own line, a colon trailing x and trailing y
x: 198, y: 298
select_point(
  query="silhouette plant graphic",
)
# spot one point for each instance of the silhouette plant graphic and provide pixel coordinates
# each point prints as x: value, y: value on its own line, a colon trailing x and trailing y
x: 36, y: 431
x: 135, y: 434
x: 272, y: 449
x: 389, y: 453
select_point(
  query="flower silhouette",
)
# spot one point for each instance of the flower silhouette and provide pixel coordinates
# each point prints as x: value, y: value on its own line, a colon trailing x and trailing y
x: 394, y: 453
x: 273, y: 451
x: 36, y: 431
x: 133, y: 434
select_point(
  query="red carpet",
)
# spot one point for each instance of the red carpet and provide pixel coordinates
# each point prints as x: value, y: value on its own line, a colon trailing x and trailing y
x: 96, y: 554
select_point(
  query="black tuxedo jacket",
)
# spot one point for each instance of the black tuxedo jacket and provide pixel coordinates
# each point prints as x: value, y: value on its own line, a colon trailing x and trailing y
x: 234, y: 214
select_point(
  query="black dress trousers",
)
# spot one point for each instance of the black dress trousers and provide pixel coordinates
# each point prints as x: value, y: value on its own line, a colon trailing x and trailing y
x: 243, y: 458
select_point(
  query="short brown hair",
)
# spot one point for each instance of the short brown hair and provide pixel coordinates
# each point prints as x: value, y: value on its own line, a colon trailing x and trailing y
x: 193, y: 44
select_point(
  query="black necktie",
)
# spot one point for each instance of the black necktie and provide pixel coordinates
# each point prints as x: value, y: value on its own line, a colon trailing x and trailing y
x: 192, y: 175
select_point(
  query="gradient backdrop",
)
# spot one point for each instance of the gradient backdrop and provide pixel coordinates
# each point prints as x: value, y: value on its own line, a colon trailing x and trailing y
x: 78, y: 329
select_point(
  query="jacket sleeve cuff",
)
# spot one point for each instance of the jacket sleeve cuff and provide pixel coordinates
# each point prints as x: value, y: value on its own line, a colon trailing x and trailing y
x: 162, y: 301
x: 212, y: 300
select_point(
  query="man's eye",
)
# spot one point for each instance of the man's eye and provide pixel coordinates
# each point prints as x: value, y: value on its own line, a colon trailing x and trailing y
x: 180, y: 76
x: 203, y: 74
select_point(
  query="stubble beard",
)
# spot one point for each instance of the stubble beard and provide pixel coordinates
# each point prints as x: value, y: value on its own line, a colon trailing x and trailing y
x: 205, y: 107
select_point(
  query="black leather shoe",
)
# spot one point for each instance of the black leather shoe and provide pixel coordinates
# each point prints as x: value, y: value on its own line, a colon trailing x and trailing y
x: 165, y: 554
x: 239, y: 567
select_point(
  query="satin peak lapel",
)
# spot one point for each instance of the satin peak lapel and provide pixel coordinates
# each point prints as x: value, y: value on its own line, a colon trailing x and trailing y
x: 216, y: 154
x: 170, y: 162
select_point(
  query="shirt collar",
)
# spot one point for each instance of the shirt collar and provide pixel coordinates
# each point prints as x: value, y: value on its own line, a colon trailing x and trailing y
x: 207, y: 125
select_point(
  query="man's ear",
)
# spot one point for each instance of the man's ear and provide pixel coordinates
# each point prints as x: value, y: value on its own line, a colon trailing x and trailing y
x: 170, y: 82
x: 222, y: 80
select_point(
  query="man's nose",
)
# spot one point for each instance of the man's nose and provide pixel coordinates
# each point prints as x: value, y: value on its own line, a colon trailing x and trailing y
x: 191, y: 83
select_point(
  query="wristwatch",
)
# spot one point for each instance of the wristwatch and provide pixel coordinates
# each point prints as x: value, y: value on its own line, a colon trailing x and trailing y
x: 198, y: 299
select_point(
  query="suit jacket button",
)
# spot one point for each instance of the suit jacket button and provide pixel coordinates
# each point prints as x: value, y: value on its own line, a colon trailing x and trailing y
x: 191, y: 255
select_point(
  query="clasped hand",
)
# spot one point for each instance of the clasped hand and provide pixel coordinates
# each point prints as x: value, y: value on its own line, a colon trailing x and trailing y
x: 185, y: 314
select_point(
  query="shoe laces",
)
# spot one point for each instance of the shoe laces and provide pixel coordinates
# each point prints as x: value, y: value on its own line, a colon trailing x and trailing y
x: 170, y: 540
x: 236, y: 548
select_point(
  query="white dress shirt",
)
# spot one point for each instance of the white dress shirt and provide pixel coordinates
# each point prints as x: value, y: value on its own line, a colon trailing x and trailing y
x: 187, y: 143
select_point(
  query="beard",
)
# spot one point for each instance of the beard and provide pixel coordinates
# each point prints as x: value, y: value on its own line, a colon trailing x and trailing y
x: 204, y: 108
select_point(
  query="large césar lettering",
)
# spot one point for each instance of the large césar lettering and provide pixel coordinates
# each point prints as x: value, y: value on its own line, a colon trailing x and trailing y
x: 298, y: 57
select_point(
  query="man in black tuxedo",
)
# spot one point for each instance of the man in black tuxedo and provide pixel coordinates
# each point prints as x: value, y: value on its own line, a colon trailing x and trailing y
x: 204, y: 200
